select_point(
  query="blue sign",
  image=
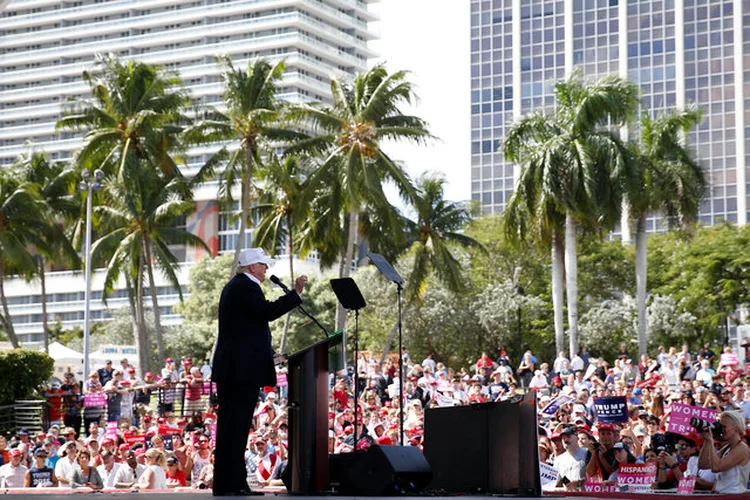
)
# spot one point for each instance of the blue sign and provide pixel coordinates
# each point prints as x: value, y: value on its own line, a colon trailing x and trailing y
x: 612, y: 409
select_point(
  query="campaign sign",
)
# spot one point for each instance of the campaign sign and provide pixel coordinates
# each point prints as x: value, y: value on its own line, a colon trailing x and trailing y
x: 94, y: 399
x: 111, y: 430
x: 612, y: 409
x: 679, y: 418
x: 636, y: 478
x: 593, y: 487
x: 686, y: 486
x: 548, y: 475
x: 729, y: 359
x: 212, y: 431
x: 167, y: 442
x: 132, y: 438
x: 556, y: 403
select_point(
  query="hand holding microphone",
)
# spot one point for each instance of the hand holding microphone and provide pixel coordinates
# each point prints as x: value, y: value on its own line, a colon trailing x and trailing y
x: 299, y: 283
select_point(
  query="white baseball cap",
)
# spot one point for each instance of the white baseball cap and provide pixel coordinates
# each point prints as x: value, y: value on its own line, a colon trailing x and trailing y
x: 255, y: 256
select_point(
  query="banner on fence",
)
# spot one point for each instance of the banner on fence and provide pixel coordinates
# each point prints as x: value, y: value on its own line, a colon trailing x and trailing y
x: 592, y: 487
x: 686, y: 486
x: 636, y: 478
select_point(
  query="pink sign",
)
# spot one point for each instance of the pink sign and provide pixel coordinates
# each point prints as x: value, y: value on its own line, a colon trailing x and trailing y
x: 212, y: 430
x: 281, y: 380
x: 686, y: 486
x: 589, y: 487
x: 636, y: 477
x: 111, y: 430
x: 729, y: 359
x: 94, y: 399
x: 679, y: 418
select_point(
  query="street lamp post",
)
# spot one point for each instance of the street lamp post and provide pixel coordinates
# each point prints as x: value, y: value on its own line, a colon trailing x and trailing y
x: 89, y: 184
x: 520, y: 292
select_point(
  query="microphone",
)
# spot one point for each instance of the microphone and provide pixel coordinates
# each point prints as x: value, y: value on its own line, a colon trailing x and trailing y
x: 276, y: 281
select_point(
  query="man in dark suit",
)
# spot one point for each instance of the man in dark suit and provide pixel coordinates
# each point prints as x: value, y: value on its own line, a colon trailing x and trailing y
x: 243, y: 362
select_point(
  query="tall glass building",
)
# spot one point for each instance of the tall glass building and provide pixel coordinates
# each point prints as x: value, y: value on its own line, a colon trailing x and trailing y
x: 678, y: 51
x: 46, y: 44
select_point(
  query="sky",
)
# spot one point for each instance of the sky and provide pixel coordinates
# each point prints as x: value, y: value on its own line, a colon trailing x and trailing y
x: 430, y: 39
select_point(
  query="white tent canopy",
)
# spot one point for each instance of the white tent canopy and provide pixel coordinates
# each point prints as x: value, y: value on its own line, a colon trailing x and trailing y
x: 66, y: 359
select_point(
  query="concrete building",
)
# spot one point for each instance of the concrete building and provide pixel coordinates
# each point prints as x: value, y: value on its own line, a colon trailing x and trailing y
x: 46, y: 44
x: 678, y: 51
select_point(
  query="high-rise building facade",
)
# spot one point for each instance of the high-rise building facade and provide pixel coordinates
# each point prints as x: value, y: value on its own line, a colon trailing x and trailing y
x: 46, y: 44
x: 678, y: 52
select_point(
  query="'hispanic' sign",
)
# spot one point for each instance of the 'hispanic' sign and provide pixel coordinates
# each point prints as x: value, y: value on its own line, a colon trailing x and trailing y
x: 612, y: 409
x: 636, y: 478
x: 679, y: 418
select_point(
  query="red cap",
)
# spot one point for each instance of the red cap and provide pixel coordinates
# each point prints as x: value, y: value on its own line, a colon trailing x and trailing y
x: 604, y: 426
x: 384, y: 440
x: 15, y: 452
x: 148, y: 374
x: 131, y: 370
x: 124, y: 447
x: 147, y: 418
x: 41, y: 435
x: 348, y: 429
x: 181, y: 421
x: 555, y: 435
x: 170, y: 360
x: 161, y: 420
x: 108, y: 441
x: 140, y: 451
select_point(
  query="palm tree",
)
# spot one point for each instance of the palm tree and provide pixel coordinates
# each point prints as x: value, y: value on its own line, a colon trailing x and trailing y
x: 281, y: 208
x: 58, y: 205
x: 253, y: 118
x: 21, y: 226
x: 436, y: 230
x: 131, y: 121
x: 138, y: 228
x: 349, y: 133
x: 572, y: 166
x: 668, y: 180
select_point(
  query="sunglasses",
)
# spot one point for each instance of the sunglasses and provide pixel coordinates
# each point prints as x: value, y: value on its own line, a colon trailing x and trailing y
x: 683, y: 446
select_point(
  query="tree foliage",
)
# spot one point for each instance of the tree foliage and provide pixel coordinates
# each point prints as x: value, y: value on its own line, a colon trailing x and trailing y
x: 26, y: 374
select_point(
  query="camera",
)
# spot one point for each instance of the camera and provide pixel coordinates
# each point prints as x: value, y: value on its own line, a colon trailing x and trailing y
x: 701, y: 425
x: 202, y: 486
x: 660, y: 442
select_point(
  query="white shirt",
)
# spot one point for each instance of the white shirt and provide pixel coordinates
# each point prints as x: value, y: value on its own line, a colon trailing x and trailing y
x: 127, y: 475
x: 693, y: 471
x: 577, y: 363
x: 13, y: 477
x: 252, y: 278
x: 572, y: 466
x: 109, y: 479
x: 64, y: 468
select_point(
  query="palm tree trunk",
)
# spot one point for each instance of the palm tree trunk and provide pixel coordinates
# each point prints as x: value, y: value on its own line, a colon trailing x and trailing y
x: 640, y: 281
x: 131, y: 302
x: 557, y: 290
x: 571, y: 280
x: 144, y: 349
x: 45, y: 325
x: 290, y: 253
x: 392, y: 336
x: 347, y: 267
x: 5, y: 319
x: 154, y: 301
x: 245, y: 208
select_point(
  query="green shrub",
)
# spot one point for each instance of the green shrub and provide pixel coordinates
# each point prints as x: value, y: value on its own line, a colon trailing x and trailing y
x: 23, y: 374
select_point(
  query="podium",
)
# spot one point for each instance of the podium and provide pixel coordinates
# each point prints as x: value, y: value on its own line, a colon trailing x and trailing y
x: 307, y: 470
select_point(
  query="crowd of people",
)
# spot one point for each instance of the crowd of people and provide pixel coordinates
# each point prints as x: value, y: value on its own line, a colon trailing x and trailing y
x: 116, y: 430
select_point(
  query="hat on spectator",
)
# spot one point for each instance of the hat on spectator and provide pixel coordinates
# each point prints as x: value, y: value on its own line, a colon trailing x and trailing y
x: 108, y: 441
x: 255, y: 256
x: 271, y: 395
x: 69, y: 430
x: 64, y: 448
x: 384, y: 440
x: 148, y: 374
x: 693, y: 437
x: 555, y: 435
x: 170, y: 360
x: 568, y: 430
x: 55, y: 385
x: 605, y: 426
x: 639, y: 430
x: 40, y: 452
x: 172, y: 459
x: 41, y: 434
x: 181, y: 421
x: 621, y: 446
x: 131, y: 369
x: 637, y: 391
x: 23, y: 432
x: 15, y: 452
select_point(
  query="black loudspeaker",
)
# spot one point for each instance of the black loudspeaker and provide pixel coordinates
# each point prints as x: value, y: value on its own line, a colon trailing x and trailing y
x: 386, y: 470
x: 484, y: 448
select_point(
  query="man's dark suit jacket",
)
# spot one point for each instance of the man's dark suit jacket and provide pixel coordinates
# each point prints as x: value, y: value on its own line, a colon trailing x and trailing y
x: 243, y: 349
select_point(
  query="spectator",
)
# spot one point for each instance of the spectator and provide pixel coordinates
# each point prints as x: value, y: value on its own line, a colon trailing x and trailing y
x: 706, y: 373
x: 4, y: 451
x: 105, y: 374
x: 174, y: 475
x: 67, y: 465
x: 130, y: 472
x: 13, y: 473
x: 268, y: 465
x: 91, y: 413
x: 200, y: 458
x: 154, y: 477
x: 206, y: 478
x: 108, y: 469
x: 72, y: 402
x: 55, y: 407
x: 40, y: 475
x: 193, y: 383
x: 571, y: 465
x: 526, y: 370
x: 86, y: 476
x: 622, y: 455
x: 732, y: 462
